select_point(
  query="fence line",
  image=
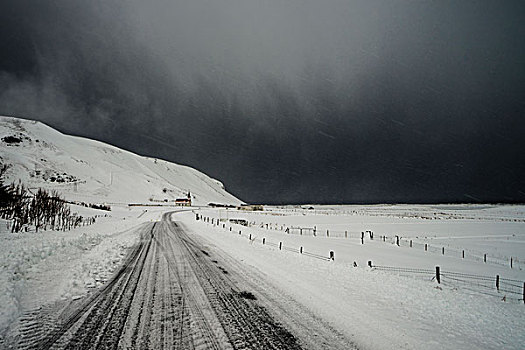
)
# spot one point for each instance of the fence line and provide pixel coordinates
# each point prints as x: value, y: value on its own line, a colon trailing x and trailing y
x: 404, y: 270
x: 483, y: 284
x: 279, y: 245
x: 488, y: 285
x: 513, y: 262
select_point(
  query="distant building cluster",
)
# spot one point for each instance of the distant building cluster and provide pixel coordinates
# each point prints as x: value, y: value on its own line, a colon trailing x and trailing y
x: 251, y: 207
x: 183, y: 202
x: 248, y: 207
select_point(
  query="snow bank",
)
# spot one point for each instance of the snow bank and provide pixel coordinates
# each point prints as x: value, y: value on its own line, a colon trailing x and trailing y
x: 44, y: 267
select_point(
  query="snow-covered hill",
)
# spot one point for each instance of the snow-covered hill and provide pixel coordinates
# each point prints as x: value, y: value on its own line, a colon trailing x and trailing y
x: 92, y: 171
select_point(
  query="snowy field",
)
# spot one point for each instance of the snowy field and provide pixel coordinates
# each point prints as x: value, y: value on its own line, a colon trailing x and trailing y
x: 400, y: 305
x: 497, y: 232
x: 43, y: 268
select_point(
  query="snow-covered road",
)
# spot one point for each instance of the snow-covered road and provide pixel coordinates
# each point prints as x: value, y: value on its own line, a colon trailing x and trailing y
x: 173, y: 293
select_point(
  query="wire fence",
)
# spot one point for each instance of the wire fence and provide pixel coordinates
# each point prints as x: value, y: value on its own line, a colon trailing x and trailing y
x: 363, y: 236
x: 467, y: 254
x: 511, y: 289
x: 497, y: 286
x: 307, y: 230
x: 399, y: 213
x: 405, y: 270
x: 280, y: 245
x: 301, y: 250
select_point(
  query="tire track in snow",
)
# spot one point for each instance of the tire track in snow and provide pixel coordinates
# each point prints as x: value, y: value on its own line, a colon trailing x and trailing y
x: 168, y: 295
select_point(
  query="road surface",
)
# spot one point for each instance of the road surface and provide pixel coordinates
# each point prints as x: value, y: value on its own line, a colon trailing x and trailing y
x: 172, y: 293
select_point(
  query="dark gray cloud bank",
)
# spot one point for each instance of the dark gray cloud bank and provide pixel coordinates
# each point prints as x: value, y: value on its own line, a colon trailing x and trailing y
x: 286, y: 101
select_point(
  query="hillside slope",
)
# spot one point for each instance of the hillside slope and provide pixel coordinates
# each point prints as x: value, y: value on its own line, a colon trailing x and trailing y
x: 91, y: 171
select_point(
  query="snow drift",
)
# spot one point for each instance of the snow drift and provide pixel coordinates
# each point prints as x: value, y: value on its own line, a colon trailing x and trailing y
x: 91, y: 171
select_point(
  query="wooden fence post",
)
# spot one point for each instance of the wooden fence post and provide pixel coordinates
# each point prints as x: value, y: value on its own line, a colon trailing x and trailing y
x: 370, y: 263
x: 250, y: 236
x: 485, y: 258
x: 497, y: 282
x: 264, y: 240
x: 239, y: 231
x: 438, y: 275
x: 523, y: 292
x: 230, y: 228
x: 397, y: 241
x: 301, y: 250
x: 426, y: 247
x: 384, y: 238
x: 327, y: 233
x: 280, y: 245
x: 332, y: 256
x: 346, y: 234
x: 443, y: 250
x: 463, y: 254
x: 511, y: 262
x: 410, y: 243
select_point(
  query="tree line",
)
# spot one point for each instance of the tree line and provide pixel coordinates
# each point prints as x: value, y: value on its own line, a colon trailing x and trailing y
x: 91, y: 205
x: 42, y: 210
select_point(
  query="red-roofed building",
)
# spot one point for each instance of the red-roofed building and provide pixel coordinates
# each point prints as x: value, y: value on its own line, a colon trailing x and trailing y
x: 185, y: 202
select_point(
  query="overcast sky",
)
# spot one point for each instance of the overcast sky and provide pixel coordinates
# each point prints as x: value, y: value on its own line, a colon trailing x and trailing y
x: 333, y: 101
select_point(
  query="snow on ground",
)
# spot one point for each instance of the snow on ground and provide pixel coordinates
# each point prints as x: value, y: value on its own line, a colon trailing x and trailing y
x: 389, y: 309
x: 479, y: 233
x: 377, y: 309
x: 95, y: 172
x: 42, y: 268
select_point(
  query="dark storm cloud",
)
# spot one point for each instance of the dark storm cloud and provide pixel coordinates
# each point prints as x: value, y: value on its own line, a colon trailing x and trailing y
x: 300, y: 100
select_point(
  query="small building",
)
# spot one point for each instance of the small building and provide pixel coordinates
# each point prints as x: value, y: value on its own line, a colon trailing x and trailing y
x: 243, y: 222
x: 184, y: 202
x: 220, y: 205
x: 251, y: 207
